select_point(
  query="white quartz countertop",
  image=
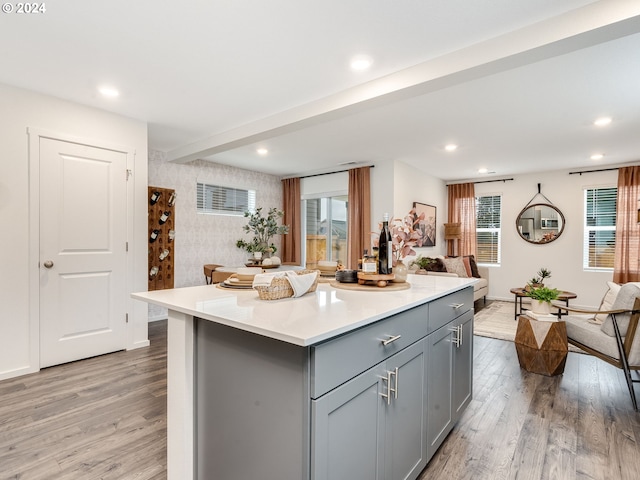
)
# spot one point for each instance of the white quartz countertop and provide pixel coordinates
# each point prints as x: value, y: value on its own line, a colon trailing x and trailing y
x: 306, y: 320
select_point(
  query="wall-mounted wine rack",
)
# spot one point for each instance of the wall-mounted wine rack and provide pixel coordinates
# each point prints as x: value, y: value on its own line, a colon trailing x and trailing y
x: 162, y: 217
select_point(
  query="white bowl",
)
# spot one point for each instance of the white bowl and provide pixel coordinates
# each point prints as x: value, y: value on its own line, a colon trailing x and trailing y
x: 249, y: 270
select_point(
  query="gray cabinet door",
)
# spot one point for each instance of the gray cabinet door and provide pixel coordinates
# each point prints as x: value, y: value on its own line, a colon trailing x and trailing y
x: 347, y: 429
x: 406, y: 422
x: 463, y: 366
x: 440, y: 374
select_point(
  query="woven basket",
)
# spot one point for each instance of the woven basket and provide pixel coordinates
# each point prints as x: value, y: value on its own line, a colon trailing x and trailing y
x: 281, y: 288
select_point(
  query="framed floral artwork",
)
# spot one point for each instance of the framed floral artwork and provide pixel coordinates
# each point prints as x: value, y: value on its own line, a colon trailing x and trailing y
x: 427, y: 224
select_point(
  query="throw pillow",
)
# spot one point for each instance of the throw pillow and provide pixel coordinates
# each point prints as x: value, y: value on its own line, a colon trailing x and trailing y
x: 474, y: 267
x: 455, y: 265
x: 607, y: 302
x: 624, y: 301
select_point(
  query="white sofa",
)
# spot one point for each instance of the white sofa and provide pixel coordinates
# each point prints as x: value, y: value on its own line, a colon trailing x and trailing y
x: 480, y: 288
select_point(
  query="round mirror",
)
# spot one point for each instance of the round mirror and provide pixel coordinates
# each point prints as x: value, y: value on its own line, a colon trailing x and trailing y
x: 540, y: 223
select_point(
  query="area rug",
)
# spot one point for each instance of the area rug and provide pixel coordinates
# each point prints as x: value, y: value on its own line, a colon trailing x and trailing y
x: 495, y: 320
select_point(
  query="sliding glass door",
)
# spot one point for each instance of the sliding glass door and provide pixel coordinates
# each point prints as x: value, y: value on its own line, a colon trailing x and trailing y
x: 325, y: 232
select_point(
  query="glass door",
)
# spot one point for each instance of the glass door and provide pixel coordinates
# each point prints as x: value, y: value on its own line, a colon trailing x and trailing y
x: 325, y: 229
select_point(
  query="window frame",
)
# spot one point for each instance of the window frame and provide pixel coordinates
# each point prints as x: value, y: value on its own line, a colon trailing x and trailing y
x: 588, y: 229
x: 496, y: 230
x: 232, y: 211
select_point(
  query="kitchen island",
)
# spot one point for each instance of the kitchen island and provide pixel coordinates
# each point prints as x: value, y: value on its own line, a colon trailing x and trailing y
x: 335, y: 384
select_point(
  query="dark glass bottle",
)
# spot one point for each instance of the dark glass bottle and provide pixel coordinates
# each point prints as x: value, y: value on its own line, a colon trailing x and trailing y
x: 164, y: 217
x: 385, y: 257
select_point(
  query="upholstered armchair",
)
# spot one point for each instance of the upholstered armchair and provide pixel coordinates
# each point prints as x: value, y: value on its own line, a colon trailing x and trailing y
x: 617, y: 339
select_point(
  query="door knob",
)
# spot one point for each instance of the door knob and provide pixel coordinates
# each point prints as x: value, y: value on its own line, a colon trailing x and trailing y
x: 48, y: 264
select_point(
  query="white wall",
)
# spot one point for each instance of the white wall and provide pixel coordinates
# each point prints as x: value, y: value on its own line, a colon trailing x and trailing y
x: 521, y: 260
x: 411, y: 185
x: 395, y: 186
x: 19, y: 110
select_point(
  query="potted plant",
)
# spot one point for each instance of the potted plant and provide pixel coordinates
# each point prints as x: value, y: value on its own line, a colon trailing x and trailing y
x: 541, y: 298
x: 423, y: 263
x: 263, y: 229
x: 538, y: 279
x: 542, y: 274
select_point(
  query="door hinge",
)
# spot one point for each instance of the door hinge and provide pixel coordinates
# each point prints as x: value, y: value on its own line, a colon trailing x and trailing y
x: 126, y: 317
x: 129, y: 173
x: 126, y: 246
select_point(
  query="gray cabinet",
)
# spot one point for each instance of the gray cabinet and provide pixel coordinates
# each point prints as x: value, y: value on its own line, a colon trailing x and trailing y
x: 450, y: 363
x: 379, y: 418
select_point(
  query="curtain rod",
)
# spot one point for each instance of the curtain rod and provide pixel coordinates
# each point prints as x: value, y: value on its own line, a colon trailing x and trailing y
x: 329, y: 173
x: 593, y: 171
x: 486, y: 181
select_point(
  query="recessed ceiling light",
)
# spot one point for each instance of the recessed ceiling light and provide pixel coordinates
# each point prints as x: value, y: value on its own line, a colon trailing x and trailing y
x: 597, y: 156
x: 262, y: 151
x: 360, y: 63
x: 483, y: 170
x: 602, y: 121
x: 109, y: 92
x: 451, y: 147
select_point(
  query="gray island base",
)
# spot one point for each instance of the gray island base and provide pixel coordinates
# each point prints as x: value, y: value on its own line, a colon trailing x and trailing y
x: 372, y: 402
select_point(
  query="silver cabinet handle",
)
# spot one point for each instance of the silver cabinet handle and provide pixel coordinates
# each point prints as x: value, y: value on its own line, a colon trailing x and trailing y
x: 460, y: 335
x: 48, y: 264
x: 457, y: 336
x: 391, y: 339
x: 395, y: 389
x: 390, y: 389
x: 456, y: 306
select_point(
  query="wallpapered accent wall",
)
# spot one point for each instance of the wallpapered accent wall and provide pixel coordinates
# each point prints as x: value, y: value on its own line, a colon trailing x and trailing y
x: 202, y: 239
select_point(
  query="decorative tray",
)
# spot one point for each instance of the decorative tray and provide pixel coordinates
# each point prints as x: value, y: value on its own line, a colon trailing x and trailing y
x: 391, y: 287
x: 253, y: 264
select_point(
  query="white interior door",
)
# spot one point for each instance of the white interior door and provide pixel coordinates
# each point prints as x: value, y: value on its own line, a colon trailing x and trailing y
x: 82, y: 251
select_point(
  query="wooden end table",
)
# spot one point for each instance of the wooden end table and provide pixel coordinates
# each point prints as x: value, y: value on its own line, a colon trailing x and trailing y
x: 542, y: 347
x: 521, y: 293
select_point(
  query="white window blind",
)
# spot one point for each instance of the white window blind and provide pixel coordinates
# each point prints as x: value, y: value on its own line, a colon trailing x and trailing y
x: 599, y: 227
x: 219, y: 200
x: 488, y: 224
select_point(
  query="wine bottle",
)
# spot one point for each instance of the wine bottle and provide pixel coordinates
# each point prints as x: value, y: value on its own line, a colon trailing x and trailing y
x: 155, y: 196
x: 172, y: 199
x: 385, y: 256
x: 154, y: 236
x: 164, y: 217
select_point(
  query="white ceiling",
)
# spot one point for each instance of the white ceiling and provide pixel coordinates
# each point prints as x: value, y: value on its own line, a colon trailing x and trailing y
x: 516, y: 83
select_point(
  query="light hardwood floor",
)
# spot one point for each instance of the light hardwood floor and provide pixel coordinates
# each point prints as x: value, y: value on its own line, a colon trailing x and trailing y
x: 100, y: 418
x: 105, y: 418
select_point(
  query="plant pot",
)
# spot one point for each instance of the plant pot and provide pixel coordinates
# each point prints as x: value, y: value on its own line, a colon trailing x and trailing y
x: 400, y: 271
x: 542, y: 308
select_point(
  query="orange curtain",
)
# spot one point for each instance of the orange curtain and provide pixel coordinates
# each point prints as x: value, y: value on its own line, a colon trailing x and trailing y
x: 627, y: 257
x: 358, y: 214
x: 291, y: 206
x: 462, y: 209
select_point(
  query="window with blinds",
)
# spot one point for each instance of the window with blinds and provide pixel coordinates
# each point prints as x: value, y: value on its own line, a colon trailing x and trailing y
x: 599, y: 227
x: 488, y: 224
x: 219, y: 200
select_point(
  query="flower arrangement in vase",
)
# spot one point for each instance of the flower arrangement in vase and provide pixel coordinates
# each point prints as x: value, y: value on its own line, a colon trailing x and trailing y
x: 404, y: 237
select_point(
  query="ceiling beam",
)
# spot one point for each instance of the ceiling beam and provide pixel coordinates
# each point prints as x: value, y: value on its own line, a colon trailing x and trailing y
x: 581, y: 28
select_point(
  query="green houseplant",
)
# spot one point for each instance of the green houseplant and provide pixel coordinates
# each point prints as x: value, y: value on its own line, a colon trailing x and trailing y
x: 541, y: 298
x: 537, y: 280
x: 263, y: 229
